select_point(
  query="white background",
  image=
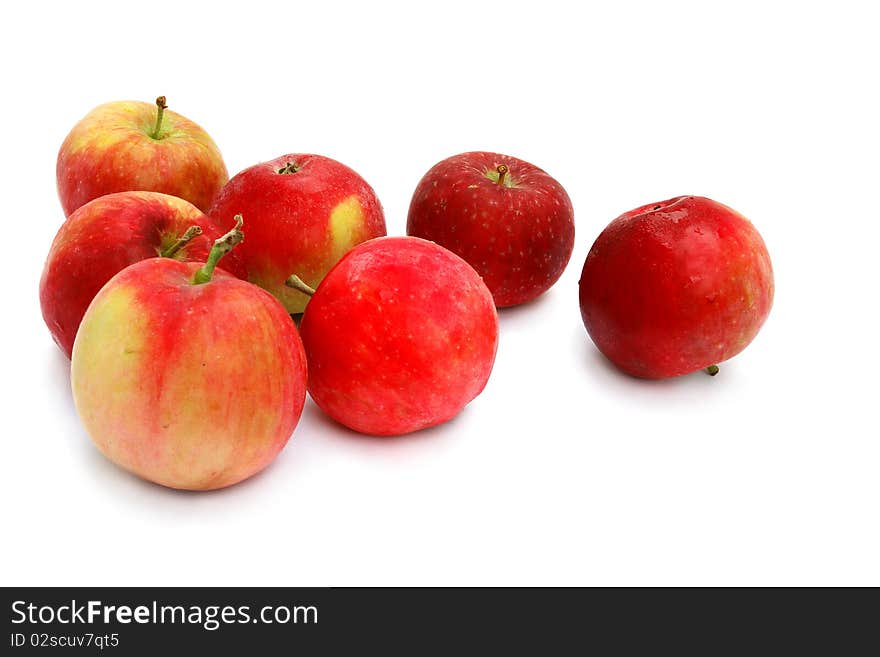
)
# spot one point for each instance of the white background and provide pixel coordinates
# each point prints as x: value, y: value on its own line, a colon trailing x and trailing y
x: 564, y: 471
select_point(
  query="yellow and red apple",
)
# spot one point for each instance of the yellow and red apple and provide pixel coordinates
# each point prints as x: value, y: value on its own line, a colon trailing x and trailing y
x: 187, y: 377
x: 106, y: 235
x: 135, y: 146
x: 303, y: 213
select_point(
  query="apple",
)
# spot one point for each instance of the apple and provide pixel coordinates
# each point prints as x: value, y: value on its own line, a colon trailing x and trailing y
x: 507, y: 218
x: 106, y: 235
x: 400, y: 335
x: 186, y: 376
x: 304, y: 212
x: 676, y: 286
x: 134, y: 146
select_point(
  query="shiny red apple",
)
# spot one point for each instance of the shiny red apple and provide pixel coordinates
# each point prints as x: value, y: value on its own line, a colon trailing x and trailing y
x: 106, y: 235
x: 303, y: 213
x: 188, y: 377
x: 508, y: 219
x: 400, y: 335
x: 676, y: 286
x: 134, y: 146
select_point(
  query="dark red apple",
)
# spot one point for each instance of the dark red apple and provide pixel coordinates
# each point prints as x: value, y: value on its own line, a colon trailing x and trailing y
x: 507, y: 218
x: 106, y: 235
x: 674, y: 287
x: 188, y: 377
x: 303, y: 213
x: 400, y: 335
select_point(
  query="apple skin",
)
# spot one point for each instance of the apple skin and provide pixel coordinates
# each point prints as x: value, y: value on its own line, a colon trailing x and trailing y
x: 112, y: 150
x: 676, y: 286
x: 400, y: 336
x: 106, y: 235
x: 517, y: 235
x: 301, y: 222
x: 190, y: 386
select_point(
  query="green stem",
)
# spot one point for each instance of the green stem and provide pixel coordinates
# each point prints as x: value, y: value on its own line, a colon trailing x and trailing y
x: 299, y: 284
x: 222, y: 246
x: 712, y: 370
x: 502, y: 172
x: 191, y: 232
x: 162, y: 106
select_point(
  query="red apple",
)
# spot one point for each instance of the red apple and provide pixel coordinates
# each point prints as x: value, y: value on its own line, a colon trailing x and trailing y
x: 400, y: 335
x: 507, y: 218
x: 106, y: 235
x: 134, y: 146
x: 188, y: 378
x: 674, y: 287
x: 304, y: 212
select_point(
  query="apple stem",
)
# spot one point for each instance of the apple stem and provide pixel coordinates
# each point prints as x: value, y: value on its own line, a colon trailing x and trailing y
x: 297, y: 283
x: 160, y: 113
x: 290, y: 167
x: 502, y: 172
x: 712, y: 370
x: 222, y: 246
x: 183, y: 240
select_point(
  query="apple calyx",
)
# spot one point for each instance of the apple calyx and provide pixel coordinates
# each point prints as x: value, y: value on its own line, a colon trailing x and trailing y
x: 182, y: 241
x: 299, y: 284
x: 712, y: 370
x: 290, y: 167
x: 161, y: 106
x: 222, y: 246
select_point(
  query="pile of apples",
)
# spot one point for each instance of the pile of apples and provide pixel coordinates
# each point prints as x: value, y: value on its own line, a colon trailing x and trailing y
x: 172, y: 289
